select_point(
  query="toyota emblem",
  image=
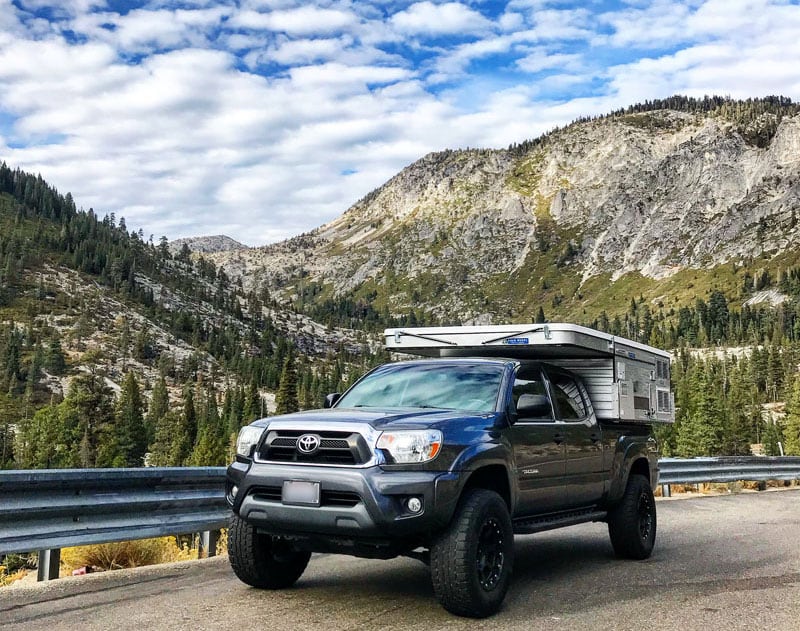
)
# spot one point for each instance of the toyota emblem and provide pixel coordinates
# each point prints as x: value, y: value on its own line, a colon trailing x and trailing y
x: 308, y: 444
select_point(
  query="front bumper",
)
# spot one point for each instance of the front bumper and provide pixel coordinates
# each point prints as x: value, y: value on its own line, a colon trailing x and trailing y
x: 364, y: 503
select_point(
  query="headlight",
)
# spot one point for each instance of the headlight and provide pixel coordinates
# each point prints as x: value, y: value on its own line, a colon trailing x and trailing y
x: 411, y: 445
x: 248, y: 438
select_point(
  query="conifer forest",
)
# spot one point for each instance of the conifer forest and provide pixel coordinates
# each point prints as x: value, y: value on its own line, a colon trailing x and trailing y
x: 117, y: 351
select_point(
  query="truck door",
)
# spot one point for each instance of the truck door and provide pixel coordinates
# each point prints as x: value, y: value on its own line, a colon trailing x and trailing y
x: 538, y: 444
x: 584, y: 474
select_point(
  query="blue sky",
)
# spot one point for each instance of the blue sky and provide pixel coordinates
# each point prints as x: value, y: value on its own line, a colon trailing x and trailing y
x: 262, y: 119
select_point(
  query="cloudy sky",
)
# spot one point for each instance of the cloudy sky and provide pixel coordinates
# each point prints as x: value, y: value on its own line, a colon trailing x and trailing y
x: 262, y: 119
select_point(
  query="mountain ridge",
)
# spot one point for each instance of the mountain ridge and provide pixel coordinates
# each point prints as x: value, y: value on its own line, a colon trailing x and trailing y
x: 206, y: 244
x: 646, y: 192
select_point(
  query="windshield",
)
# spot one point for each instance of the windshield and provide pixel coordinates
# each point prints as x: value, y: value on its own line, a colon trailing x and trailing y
x: 451, y: 386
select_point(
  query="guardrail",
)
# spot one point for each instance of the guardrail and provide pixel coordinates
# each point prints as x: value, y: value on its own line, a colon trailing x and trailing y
x: 47, y: 510
x: 53, y: 509
x: 726, y: 469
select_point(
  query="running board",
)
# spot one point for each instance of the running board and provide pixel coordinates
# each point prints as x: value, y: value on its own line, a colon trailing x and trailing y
x: 549, y: 522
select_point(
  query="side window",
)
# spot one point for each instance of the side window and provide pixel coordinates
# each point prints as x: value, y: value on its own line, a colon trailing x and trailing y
x: 568, y: 397
x: 530, y: 396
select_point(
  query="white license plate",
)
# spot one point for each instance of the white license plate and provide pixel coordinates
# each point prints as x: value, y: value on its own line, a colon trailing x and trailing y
x: 300, y: 492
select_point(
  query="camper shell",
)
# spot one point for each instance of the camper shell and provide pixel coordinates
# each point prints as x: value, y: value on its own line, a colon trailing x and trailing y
x: 627, y: 381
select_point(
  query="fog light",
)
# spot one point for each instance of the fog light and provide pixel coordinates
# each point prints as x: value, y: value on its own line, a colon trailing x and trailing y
x: 234, y: 491
x: 414, y: 504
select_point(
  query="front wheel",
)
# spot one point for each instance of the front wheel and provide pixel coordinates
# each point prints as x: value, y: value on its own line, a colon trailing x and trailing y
x: 632, y: 522
x: 261, y: 560
x: 471, y: 561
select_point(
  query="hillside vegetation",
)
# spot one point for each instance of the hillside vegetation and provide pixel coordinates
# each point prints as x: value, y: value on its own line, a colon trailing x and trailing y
x: 672, y: 222
x: 111, y: 347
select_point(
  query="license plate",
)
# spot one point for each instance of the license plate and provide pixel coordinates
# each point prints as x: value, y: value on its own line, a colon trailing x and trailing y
x: 300, y: 492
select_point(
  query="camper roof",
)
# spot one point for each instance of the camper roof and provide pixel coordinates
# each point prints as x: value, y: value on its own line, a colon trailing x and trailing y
x: 516, y: 341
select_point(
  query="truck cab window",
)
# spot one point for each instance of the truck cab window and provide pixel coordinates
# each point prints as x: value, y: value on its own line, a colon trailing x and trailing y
x: 530, y: 398
x: 568, y: 397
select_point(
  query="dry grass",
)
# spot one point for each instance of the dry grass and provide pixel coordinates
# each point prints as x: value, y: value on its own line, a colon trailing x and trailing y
x: 7, y: 579
x: 125, y: 554
x: 722, y: 488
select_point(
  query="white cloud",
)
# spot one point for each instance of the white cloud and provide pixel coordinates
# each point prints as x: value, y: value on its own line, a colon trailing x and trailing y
x: 208, y: 117
x: 302, y: 21
x: 304, y: 51
x: 427, y: 18
x: 149, y: 30
x: 541, y: 59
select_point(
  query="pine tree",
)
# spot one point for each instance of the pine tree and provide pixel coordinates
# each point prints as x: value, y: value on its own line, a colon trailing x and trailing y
x: 159, y: 405
x: 130, y: 426
x: 251, y: 409
x: 212, y: 441
x: 286, y: 397
x: 701, y: 432
x: 189, y: 415
x: 738, y: 428
x: 54, y: 359
x: 170, y: 446
x: 772, y: 438
x: 791, y: 429
x: 88, y: 410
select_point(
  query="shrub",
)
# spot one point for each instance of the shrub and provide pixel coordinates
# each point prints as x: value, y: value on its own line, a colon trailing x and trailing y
x: 114, y: 556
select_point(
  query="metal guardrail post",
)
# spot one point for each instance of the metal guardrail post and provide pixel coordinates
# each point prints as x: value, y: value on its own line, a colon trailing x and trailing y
x: 49, y: 564
x: 208, y: 543
x: 666, y: 491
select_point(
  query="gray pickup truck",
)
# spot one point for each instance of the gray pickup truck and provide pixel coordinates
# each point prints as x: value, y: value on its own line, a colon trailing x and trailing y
x: 445, y: 460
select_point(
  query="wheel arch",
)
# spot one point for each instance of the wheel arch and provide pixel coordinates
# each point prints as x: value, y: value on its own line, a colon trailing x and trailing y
x: 492, y: 477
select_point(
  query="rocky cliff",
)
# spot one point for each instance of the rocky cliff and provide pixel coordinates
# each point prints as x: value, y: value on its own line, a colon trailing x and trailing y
x: 475, y: 234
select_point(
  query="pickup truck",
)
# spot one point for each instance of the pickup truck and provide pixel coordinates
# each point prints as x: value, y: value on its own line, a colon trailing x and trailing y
x: 444, y: 460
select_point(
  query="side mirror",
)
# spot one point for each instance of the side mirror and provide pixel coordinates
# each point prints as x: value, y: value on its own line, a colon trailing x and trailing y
x: 511, y: 416
x: 331, y: 399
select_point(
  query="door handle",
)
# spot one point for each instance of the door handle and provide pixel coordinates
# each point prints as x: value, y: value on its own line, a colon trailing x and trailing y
x: 558, y: 439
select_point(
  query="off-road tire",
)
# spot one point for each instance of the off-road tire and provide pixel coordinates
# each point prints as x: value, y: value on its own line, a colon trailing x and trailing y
x: 632, y: 522
x: 471, y: 562
x: 261, y: 560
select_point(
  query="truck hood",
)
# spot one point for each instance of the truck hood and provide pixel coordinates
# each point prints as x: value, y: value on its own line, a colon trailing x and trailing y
x: 385, y: 418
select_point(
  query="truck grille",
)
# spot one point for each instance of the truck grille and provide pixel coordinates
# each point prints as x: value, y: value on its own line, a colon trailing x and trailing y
x: 335, y: 447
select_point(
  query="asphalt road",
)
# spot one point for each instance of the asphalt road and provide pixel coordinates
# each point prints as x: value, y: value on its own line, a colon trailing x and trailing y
x: 726, y: 562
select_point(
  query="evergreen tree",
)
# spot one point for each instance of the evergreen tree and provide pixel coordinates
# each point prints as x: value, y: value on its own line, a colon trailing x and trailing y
x: 159, y: 405
x: 252, y: 404
x: 34, y: 371
x: 212, y: 441
x: 189, y: 415
x: 130, y: 426
x: 54, y: 360
x: 701, y: 432
x: 772, y: 438
x: 286, y: 397
x: 87, y: 414
x: 180, y: 446
x: 170, y: 446
x: 791, y: 429
x: 738, y: 427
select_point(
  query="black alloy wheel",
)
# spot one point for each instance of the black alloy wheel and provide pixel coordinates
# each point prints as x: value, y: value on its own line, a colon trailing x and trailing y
x: 491, y: 555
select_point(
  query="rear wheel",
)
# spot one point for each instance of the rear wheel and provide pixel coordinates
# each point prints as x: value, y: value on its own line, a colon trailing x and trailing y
x: 471, y: 561
x: 632, y: 523
x: 261, y: 560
